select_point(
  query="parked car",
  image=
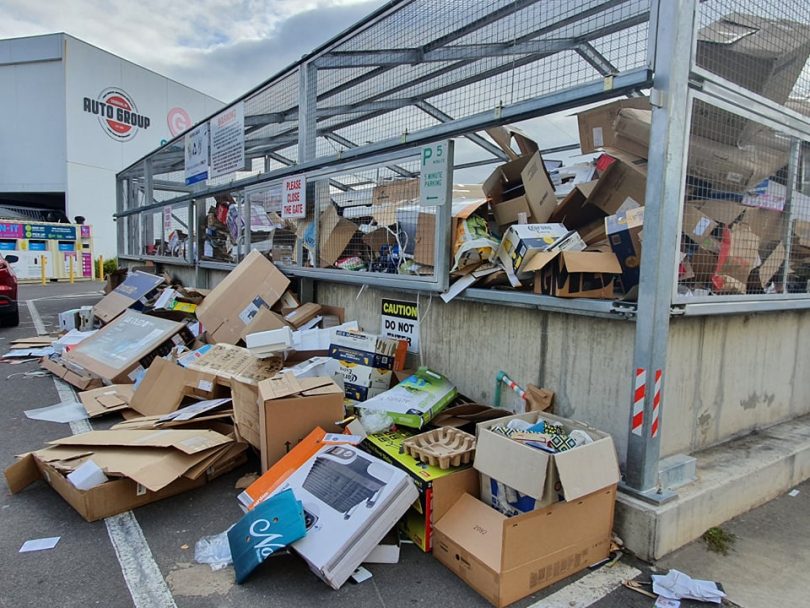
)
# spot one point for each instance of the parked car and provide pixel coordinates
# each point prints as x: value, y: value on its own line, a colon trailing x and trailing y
x: 9, y: 308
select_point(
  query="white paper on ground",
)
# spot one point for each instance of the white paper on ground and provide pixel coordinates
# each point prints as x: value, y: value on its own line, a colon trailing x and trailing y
x: 67, y: 411
x: 361, y: 574
x: 39, y: 544
x: 45, y: 351
x: 679, y: 586
x: 87, y: 476
x: 665, y: 602
x: 793, y: 493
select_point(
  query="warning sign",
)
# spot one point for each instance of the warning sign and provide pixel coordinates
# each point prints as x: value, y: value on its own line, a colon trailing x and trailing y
x: 294, y: 197
x: 400, y: 320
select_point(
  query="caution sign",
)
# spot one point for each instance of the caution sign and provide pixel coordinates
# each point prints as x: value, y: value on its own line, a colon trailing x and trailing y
x: 400, y: 320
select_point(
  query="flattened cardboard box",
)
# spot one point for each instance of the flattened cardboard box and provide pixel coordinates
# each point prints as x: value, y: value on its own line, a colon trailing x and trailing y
x: 227, y: 362
x: 575, y: 274
x: 106, y: 399
x: 130, y: 342
x: 596, y: 125
x: 78, y: 378
x: 438, y: 488
x: 137, y: 288
x: 166, y: 384
x: 290, y: 407
x: 254, y: 284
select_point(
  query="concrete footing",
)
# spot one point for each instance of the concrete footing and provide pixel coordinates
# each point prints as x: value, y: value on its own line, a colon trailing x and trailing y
x: 732, y: 478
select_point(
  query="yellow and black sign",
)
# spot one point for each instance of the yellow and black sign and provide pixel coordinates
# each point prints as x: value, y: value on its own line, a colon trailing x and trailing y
x: 400, y: 320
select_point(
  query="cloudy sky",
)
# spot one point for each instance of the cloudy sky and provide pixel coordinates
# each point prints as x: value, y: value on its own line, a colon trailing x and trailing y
x: 220, y: 47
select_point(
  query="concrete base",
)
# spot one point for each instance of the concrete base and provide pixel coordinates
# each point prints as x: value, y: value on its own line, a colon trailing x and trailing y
x: 732, y: 478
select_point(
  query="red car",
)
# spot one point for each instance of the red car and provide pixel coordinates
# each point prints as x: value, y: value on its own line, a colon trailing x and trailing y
x: 9, y: 309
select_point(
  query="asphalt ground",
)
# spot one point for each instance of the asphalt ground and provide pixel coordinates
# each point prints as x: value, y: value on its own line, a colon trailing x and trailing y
x: 87, y: 568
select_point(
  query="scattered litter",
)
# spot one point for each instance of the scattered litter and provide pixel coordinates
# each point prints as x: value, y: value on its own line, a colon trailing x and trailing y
x: 19, y: 353
x: 361, y: 575
x: 793, y: 493
x: 665, y: 602
x: 184, y: 547
x: 637, y: 586
x: 28, y: 375
x: 245, y: 481
x: 677, y: 585
x: 39, y: 544
x: 67, y: 411
x: 87, y: 476
x: 214, y: 551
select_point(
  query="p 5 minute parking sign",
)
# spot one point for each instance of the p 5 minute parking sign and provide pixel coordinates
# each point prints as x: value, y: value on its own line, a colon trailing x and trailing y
x: 400, y: 320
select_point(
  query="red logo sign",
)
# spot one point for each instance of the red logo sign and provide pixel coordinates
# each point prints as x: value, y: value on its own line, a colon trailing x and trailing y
x: 117, y: 114
x: 178, y: 120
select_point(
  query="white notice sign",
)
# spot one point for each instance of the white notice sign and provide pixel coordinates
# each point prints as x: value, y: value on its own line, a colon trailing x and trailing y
x: 228, y: 141
x: 400, y: 320
x: 196, y: 161
x: 294, y: 197
x: 434, y: 174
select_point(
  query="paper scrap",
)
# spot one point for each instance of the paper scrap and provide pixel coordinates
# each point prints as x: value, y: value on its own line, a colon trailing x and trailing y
x: 793, y: 493
x: 665, y: 602
x: 67, y: 411
x: 679, y: 586
x: 39, y: 544
x: 361, y: 575
x: 17, y: 353
x: 189, y: 412
x: 87, y: 476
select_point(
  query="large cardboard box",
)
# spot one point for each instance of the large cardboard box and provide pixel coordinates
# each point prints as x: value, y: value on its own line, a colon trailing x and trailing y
x: 625, y: 232
x: 351, y: 500
x: 165, y: 386
x: 366, y: 362
x: 575, y: 274
x: 596, y: 126
x: 128, y: 345
x: 622, y: 186
x: 74, y: 375
x: 290, y: 407
x: 335, y: 234
x: 134, y: 292
x: 521, y: 242
x: 521, y: 186
x: 574, y: 211
x: 763, y: 55
x: 254, y: 284
x: 438, y: 488
x: 507, y: 558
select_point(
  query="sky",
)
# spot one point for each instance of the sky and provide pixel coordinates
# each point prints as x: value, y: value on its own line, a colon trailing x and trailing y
x: 220, y: 47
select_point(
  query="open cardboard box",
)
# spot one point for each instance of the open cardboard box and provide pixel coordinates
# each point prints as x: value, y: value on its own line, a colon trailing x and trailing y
x: 136, y: 289
x: 575, y: 274
x: 596, y: 128
x: 507, y: 558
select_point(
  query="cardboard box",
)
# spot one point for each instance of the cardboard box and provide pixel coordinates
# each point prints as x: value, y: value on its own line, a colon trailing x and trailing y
x: 75, y: 375
x: 134, y: 292
x: 521, y: 242
x: 765, y: 56
x: 118, y: 351
x: 621, y: 186
x: 351, y: 501
x: 699, y: 228
x: 245, y: 399
x: 335, y: 234
x: 395, y: 191
x: 581, y: 470
x: 227, y: 363
x: 166, y: 385
x: 366, y: 362
x: 575, y: 274
x: 106, y: 399
x: 624, y: 232
x: 521, y: 186
x: 254, y: 284
x: 596, y: 128
x: 507, y: 558
x: 574, y: 211
x: 303, y: 314
x: 424, y: 250
x: 739, y: 255
x: 721, y: 211
x: 290, y: 407
x: 415, y: 400
x: 632, y: 131
x: 438, y: 488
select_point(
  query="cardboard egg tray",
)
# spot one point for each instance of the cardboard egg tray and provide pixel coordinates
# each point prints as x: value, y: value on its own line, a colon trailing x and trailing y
x: 443, y: 448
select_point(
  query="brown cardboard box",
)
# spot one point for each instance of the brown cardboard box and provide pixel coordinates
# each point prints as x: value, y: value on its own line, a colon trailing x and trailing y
x: 622, y: 186
x: 290, y: 407
x: 575, y: 274
x: 699, y: 227
x: 538, y: 199
x: 596, y: 125
x: 165, y: 386
x: 106, y: 399
x: 118, y: 351
x: 254, y: 284
x: 246, y: 411
x: 625, y: 231
x: 227, y: 362
x: 721, y: 211
x: 632, y: 131
x: 335, y: 234
x: 265, y: 320
x: 303, y: 314
x: 507, y: 558
x: 507, y: 135
x: 765, y: 56
x: 395, y: 191
x: 739, y: 255
x: 574, y: 211
x: 75, y: 376
x: 767, y: 224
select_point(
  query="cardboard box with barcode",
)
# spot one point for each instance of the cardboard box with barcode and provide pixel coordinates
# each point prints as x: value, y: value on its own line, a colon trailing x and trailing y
x: 575, y: 274
x: 141, y: 466
x: 520, y: 186
x: 134, y: 292
x: 416, y: 400
x: 625, y: 235
x: 290, y: 407
x: 438, y: 488
x: 521, y: 242
x: 507, y: 558
x: 366, y: 362
x: 126, y: 346
x: 351, y: 500
x: 233, y: 304
x: 596, y: 126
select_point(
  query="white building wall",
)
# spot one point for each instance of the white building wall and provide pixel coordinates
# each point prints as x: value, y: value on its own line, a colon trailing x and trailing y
x: 32, y: 115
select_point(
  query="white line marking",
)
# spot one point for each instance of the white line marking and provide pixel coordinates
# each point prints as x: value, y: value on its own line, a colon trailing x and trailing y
x: 589, y: 589
x: 88, y: 294
x: 146, y: 584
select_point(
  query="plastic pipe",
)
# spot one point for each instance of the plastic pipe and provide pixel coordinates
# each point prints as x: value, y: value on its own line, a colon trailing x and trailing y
x: 500, y: 379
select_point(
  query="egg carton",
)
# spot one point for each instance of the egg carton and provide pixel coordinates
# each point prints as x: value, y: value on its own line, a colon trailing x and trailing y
x: 443, y: 448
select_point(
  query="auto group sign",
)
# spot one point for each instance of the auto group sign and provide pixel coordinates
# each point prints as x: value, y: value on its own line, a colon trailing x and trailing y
x: 117, y: 113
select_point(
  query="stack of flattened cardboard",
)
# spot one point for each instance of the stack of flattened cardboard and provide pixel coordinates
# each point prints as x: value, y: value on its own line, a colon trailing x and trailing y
x: 141, y: 466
